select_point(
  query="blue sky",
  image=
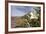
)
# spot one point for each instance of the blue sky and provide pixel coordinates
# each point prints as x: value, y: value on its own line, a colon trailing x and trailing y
x: 20, y: 10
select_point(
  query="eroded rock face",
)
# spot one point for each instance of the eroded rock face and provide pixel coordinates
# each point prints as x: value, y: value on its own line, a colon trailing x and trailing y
x: 20, y: 22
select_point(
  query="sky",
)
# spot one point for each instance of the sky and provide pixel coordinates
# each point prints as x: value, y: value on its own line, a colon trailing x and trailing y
x: 20, y: 10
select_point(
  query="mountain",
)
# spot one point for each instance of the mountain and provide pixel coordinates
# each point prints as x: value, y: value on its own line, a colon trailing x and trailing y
x: 27, y: 20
